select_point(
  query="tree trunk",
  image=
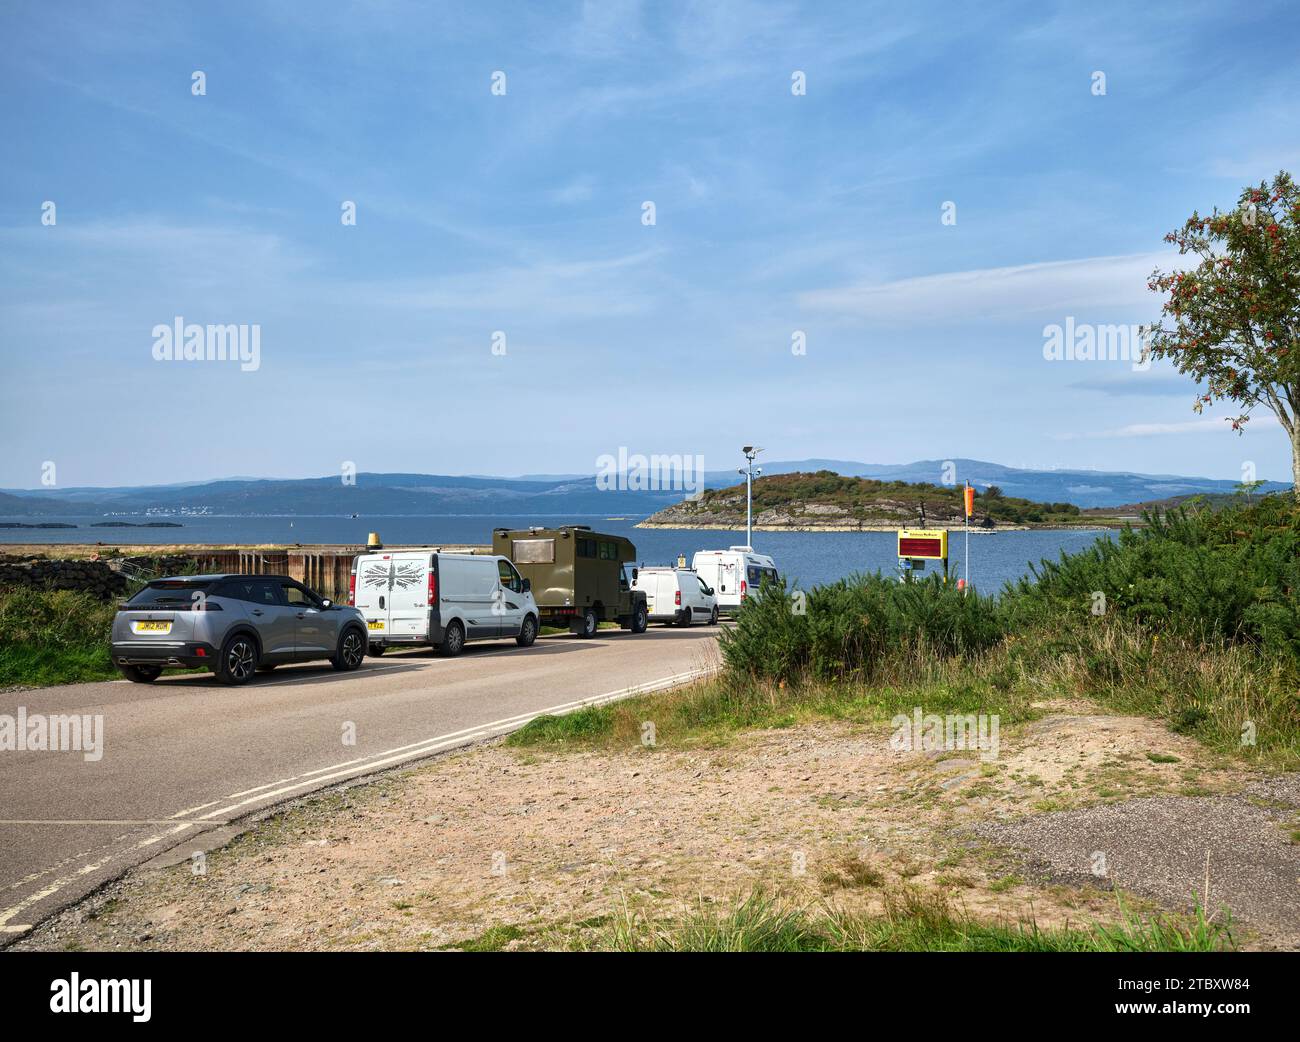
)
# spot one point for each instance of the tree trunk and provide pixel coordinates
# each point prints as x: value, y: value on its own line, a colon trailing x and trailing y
x: 1295, y: 458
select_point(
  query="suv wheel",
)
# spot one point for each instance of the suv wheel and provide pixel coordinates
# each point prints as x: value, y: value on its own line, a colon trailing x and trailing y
x: 238, y: 660
x: 640, y: 619
x: 527, y: 632
x: 590, y: 624
x: 453, y: 641
x: 351, y: 650
x: 141, y: 674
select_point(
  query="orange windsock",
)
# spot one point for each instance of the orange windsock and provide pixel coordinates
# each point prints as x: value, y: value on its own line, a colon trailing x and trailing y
x: 970, y: 500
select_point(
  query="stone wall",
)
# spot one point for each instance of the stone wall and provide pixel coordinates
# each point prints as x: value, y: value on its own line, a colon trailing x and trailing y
x: 90, y: 576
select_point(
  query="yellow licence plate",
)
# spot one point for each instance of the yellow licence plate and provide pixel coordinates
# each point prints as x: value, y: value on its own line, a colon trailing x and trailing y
x: 153, y: 627
x: 375, y: 624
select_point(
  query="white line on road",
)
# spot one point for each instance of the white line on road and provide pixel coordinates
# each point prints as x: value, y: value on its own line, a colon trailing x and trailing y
x: 102, y: 821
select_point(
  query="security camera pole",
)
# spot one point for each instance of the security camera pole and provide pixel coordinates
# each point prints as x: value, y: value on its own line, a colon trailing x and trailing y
x: 750, y: 472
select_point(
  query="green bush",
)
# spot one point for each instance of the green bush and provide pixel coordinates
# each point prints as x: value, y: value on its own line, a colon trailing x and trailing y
x: 1231, y: 575
x: 845, y: 628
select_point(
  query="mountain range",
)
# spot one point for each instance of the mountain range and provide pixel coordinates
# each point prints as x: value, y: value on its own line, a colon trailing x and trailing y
x: 554, y: 494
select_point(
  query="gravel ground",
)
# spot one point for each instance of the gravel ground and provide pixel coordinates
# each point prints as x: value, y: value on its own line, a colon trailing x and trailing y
x: 1162, y: 847
x: 549, y: 845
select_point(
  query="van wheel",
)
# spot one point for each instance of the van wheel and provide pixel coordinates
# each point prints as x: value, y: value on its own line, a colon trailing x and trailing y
x: 713, y: 616
x: 590, y: 624
x: 141, y: 674
x: 527, y: 632
x: 685, y: 618
x: 238, y: 660
x: 376, y: 650
x: 453, y: 641
x: 640, y: 619
x: 351, y: 651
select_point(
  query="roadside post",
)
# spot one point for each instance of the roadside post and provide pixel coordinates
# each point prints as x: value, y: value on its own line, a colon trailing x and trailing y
x: 918, y: 545
x: 968, y: 495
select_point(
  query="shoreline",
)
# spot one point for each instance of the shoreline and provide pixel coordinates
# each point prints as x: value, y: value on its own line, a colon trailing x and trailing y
x: 1100, y: 526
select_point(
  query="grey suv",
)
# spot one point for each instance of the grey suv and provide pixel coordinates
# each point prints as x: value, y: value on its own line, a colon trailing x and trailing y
x: 233, y: 625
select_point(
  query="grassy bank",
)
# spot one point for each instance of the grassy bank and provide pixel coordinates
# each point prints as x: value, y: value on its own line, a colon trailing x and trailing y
x: 1193, y: 619
x: 54, y: 637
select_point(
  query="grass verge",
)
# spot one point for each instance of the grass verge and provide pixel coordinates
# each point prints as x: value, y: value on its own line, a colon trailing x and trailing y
x: 54, y: 637
x: 911, y: 921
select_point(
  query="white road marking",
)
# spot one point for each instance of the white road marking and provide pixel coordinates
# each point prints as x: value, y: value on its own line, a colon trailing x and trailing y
x: 348, y: 768
x: 102, y: 821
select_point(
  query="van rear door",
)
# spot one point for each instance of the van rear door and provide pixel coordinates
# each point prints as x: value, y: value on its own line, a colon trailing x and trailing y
x: 408, y: 595
x: 374, y: 575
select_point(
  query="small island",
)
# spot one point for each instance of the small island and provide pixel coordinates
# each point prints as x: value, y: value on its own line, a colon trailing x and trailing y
x: 828, y: 502
x: 137, y: 524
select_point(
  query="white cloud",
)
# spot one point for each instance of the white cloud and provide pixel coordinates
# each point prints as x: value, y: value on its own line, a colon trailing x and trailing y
x: 1118, y: 284
x: 1150, y: 430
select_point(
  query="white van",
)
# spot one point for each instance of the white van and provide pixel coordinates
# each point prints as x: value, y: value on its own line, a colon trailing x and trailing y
x: 424, y: 597
x: 677, y: 595
x: 734, y: 574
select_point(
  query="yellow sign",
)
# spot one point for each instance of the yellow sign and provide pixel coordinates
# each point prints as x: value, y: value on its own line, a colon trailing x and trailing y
x: 926, y: 544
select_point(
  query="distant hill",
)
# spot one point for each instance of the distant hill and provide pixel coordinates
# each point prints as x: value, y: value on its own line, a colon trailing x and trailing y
x: 426, y: 494
x: 1083, y: 488
x: 828, y: 501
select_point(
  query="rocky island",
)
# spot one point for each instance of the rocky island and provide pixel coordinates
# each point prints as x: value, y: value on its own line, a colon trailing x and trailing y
x: 828, y: 502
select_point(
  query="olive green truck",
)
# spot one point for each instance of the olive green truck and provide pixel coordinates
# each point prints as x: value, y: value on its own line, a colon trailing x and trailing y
x: 580, y: 578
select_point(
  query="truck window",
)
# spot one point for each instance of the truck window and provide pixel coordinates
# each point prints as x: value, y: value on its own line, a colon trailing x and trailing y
x: 533, y: 551
x: 608, y: 551
x: 586, y: 548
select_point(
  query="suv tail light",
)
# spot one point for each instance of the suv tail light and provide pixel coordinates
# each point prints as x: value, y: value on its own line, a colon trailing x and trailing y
x: 433, y: 589
x: 677, y: 598
x: 352, y: 590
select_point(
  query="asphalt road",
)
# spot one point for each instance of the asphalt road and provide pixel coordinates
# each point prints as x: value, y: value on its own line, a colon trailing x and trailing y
x: 185, y: 758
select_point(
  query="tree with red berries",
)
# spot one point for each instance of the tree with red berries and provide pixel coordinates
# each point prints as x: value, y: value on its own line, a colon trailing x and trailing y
x: 1233, y: 321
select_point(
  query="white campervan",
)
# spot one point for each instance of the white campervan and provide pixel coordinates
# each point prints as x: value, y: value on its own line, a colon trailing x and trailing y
x: 734, y: 574
x: 425, y: 597
x: 676, y: 595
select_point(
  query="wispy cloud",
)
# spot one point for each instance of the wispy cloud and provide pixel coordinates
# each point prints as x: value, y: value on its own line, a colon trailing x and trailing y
x: 1052, y: 288
x: 1152, y: 430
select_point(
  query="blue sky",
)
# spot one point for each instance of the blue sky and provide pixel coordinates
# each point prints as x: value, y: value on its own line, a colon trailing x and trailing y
x: 522, y: 213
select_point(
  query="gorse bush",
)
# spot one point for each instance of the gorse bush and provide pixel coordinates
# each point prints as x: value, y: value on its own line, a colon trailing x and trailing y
x: 1231, y: 575
x: 1225, y: 577
x: 846, y: 628
x: 1200, y: 626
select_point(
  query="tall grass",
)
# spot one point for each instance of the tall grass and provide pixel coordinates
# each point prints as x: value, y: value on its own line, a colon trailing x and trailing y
x: 54, y: 636
x: 912, y: 920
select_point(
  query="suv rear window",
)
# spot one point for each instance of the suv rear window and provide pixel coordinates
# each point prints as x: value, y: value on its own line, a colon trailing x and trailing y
x: 169, y: 592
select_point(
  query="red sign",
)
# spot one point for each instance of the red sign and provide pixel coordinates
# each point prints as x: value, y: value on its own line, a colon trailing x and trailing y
x: 917, y: 547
